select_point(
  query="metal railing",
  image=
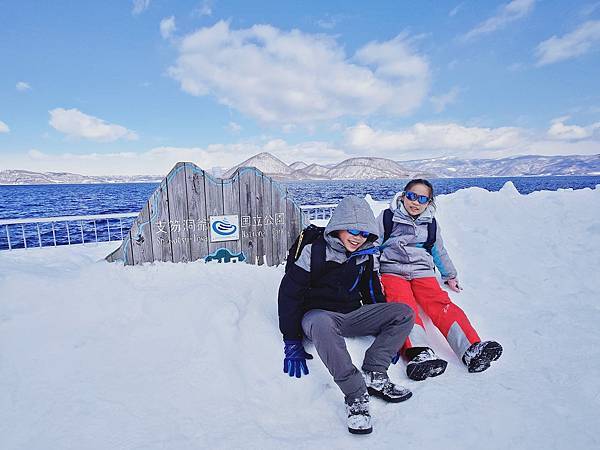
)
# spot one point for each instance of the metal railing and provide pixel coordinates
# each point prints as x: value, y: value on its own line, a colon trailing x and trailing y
x: 75, y: 230
x: 315, y: 212
x: 64, y: 230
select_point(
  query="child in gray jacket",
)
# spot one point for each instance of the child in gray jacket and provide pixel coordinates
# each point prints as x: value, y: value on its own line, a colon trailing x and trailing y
x: 408, y: 260
x: 332, y: 292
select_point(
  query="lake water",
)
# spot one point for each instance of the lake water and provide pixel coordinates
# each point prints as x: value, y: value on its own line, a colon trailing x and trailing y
x: 88, y: 199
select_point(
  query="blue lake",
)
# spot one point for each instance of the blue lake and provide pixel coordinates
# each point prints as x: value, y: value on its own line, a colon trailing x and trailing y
x: 87, y: 199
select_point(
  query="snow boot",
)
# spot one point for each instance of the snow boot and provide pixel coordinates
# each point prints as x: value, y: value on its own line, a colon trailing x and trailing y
x: 379, y: 385
x: 359, y: 418
x: 478, y: 356
x: 423, y: 363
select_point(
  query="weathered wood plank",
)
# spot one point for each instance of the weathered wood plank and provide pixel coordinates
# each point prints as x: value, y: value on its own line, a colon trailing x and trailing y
x: 293, y: 221
x: 247, y: 179
x: 231, y: 205
x: 159, y: 224
x: 279, y: 229
x: 196, y: 224
x: 141, y: 237
x: 178, y: 214
x: 268, y: 220
x: 258, y: 221
x: 214, y: 205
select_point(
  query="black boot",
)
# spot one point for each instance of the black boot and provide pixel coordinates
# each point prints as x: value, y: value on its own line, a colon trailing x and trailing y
x: 379, y: 385
x: 359, y: 418
x: 479, y: 356
x: 423, y: 363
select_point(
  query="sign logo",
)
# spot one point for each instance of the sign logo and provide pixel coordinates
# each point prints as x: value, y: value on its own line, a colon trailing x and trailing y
x: 224, y: 228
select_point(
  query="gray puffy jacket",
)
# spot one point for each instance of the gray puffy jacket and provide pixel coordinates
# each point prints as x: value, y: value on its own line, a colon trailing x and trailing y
x: 403, y: 253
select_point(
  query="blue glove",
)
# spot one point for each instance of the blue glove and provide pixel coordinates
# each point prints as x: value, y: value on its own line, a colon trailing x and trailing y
x: 396, y: 358
x: 294, y: 362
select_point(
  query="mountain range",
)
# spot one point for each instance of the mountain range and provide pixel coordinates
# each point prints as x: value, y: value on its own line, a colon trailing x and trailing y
x: 364, y: 168
x: 361, y: 168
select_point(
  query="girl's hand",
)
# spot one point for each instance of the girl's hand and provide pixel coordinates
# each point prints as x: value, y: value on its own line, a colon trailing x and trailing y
x: 453, y: 285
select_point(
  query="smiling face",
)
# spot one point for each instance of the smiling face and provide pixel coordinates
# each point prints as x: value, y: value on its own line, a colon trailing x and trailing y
x: 413, y: 207
x: 351, y: 243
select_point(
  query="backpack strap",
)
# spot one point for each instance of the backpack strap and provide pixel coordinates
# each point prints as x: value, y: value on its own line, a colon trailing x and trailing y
x: 317, y: 256
x: 388, y: 224
x: 431, y: 235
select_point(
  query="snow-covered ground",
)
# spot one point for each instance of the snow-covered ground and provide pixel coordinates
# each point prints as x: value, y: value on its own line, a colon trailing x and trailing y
x: 187, y: 356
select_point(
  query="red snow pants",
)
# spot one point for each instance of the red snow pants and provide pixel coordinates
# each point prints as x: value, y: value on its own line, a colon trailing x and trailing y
x: 445, y: 315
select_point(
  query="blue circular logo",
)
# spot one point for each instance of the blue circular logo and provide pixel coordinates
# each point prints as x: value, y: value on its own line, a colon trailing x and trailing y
x: 223, y: 228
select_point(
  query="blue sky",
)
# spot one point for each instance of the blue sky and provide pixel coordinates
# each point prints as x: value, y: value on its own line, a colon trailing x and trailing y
x: 131, y: 87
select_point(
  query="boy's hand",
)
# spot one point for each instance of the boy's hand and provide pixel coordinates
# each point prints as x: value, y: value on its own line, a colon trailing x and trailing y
x: 453, y: 285
x: 294, y: 362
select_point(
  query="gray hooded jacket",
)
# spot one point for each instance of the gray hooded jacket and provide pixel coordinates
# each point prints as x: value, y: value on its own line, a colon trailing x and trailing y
x: 342, y: 284
x: 403, y: 253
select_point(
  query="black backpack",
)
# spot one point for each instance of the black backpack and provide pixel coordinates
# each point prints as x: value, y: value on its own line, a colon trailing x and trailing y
x: 388, y: 224
x: 307, y: 236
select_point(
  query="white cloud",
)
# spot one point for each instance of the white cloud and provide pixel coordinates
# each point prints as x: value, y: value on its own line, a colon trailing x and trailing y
x: 560, y: 131
x: 510, y: 12
x: 428, y: 140
x: 584, y: 39
x: 205, y: 9
x: 74, y: 123
x: 3, y: 127
x: 233, y: 127
x: 441, y: 101
x: 293, y: 77
x: 139, y: 6
x: 434, y: 137
x: 23, y: 86
x: 456, y: 9
x: 167, y: 27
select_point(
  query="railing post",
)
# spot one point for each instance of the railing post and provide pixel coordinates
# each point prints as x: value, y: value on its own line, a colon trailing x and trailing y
x: 81, y: 225
x: 68, y: 234
x: 39, y: 235
x: 8, y: 237
x: 24, y: 238
x: 53, y: 234
x: 95, y: 231
x: 108, y: 225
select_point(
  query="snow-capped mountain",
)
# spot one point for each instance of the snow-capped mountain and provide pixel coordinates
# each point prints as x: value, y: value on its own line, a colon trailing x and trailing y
x: 29, y: 177
x: 530, y: 165
x: 298, y: 165
x: 358, y: 168
x: 266, y: 163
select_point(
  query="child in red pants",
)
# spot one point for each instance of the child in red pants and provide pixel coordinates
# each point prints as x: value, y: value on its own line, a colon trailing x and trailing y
x: 413, y: 247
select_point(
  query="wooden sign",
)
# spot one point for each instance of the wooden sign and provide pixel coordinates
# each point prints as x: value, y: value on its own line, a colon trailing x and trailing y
x: 192, y: 215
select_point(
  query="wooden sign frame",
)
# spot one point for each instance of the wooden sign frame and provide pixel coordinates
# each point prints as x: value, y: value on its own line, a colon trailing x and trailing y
x: 192, y: 215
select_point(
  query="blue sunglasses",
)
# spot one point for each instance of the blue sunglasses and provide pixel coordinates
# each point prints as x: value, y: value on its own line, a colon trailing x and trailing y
x: 364, y: 234
x: 422, y: 199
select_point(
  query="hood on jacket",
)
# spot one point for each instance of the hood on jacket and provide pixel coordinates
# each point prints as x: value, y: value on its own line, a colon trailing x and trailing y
x: 400, y: 211
x: 352, y: 213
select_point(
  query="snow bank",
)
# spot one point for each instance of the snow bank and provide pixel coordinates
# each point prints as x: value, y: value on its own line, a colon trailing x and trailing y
x: 186, y: 356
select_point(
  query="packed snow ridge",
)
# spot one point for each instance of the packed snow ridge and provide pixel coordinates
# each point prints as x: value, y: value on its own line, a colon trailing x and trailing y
x: 186, y: 356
